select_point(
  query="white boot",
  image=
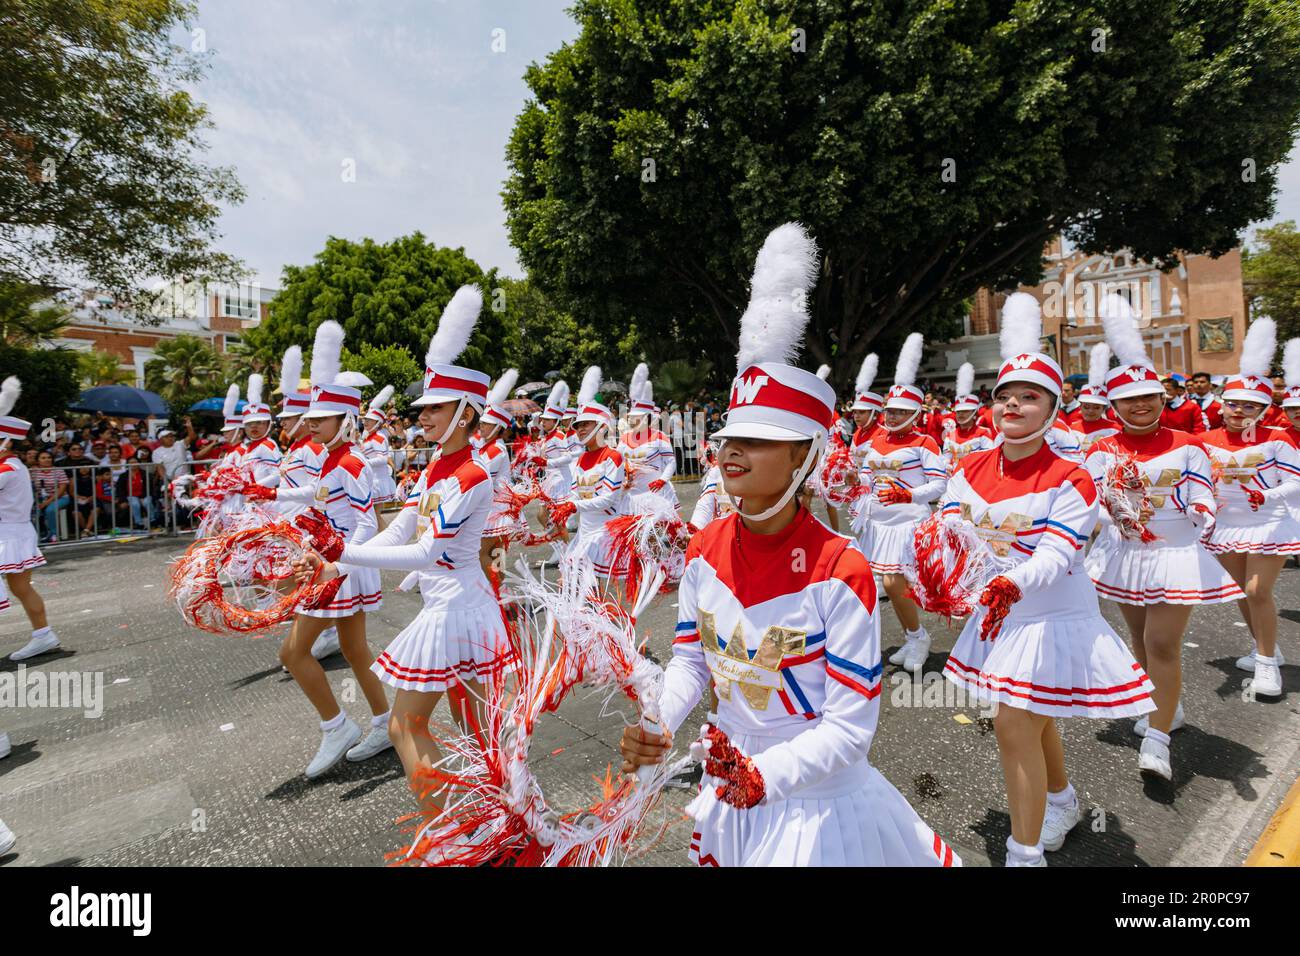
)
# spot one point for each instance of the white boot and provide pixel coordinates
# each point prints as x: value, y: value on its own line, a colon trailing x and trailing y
x: 1058, y: 821
x: 900, y: 655
x: 375, y: 742
x: 1153, y: 758
x: 46, y: 642
x: 1268, y: 677
x: 1179, y: 721
x: 334, y: 746
x: 7, y: 839
x: 326, y: 644
x: 917, y: 652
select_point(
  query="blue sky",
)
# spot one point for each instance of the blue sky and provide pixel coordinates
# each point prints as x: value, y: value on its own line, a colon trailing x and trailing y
x: 411, y: 91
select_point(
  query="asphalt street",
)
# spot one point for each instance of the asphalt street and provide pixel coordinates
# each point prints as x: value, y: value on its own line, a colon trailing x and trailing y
x: 198, y: 755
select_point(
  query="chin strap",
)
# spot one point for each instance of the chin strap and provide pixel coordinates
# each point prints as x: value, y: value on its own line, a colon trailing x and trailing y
x: 346, y: 433
x: 451, y: 425
x: 1134, y: 428
x: 904, y: 426
x: 814, y: 450
x: 1047, y: 426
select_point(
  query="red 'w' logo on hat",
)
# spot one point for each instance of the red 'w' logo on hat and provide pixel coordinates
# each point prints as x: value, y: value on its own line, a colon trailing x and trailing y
x: 1021, y: 361
x: 745, y: 390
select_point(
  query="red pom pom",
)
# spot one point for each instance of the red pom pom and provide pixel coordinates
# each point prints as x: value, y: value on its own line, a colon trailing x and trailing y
x: 998, y: 597
x: 744, y: 786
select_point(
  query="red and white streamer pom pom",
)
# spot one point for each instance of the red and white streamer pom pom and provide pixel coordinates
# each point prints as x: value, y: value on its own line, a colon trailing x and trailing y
x: 228, y: 584
x: 998, y: 597
x: 495, y: 808
x: 743, y: 785
x: 321, y: 535
x: 653, y: 539
x: 1254, y: 497
x: 1125, y: 497
x: 949, y: 565
x: 559, y: 512
x: 829, y: 480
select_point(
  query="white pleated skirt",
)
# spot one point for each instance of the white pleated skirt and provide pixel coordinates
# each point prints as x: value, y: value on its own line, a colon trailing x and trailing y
x: 853, y: 818
x: 1175, y: 569
x: 886, y: 544
x: 445, y: 646
x: 1069, y: 666
x: 18, y: 550
x: 385, y: 488
x: 361, y: 591
x: 1275, y: 531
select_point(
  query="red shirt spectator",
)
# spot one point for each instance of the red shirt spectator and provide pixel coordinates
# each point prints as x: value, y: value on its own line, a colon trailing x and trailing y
x: 1184, y: 416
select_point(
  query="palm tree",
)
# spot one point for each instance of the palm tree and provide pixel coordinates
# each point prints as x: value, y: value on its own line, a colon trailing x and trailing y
x: 102, y: 368
x: 23, y: 321
x: 184, y: 365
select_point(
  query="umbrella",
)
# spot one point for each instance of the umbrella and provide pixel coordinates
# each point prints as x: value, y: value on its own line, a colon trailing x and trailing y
x: 520, y: 406
x: 532, y: 387
x: 215, y: 405
x: 121, y: 400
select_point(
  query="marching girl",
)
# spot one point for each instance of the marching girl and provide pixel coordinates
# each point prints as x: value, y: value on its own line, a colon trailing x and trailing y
x: 1094, y: 421
x: 1157, y: 583
x: 905, y: 472
x: 232, y: 428
x: 556, y: 457
x: 967, y: 434
x: 1038, y: 645
x: 342, y: 491
x: 19, y: 554
x: 376, y: 451
x: 793, y: 646
x: 835, y: 444
x: 259, y: 450
x: 492, y: 451
x: 647, y: 452
x: 867, y: 406
x: 1257, y: 480
x: 1291, y: 401
x: 713, y: 502
x: 459, y: 639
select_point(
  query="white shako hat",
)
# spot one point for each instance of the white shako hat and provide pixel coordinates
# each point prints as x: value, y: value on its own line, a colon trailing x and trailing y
x: 294, y: 402
x: 904, y: 394
x: 1094, y: 393
x: 375, y: 410
x: 864, y: 399
x: 1135, y: 375
x: 556, y: 401
x: 771, y: 398
x: 571, y: 411
x: 255, y: 410
x: 966, y: 400
x: 1019, y: 342
x: 330, y: 392
x: 496, y: 412
x: 1291, y: 373
x: 640, y: 378
x: 443, y: 381
x: 233, y: 420
x: 588, y: 409
x: 12, y: 428
x: 1252, y: 384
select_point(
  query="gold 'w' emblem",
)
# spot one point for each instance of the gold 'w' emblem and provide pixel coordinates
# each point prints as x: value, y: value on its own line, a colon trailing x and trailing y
x: 587, y: 483
x: 1000, y: 538
x: 756, y: 677
x: 1162, y: 487
x: 1242, y: 471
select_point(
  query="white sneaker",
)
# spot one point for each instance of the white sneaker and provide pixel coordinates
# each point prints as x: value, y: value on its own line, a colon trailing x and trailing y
x: 1153, y: 758
x: 1058, y: 821
x: 334, y: 746
x: 900, y: 655
x: 326, y: 644
x: 375, y: 742
x: 49, y: 641
x: 1144, y: 722
x: 7, y: 839
x: 916, y: 654
x: 4, y: 745
x: 1247, y: 663
x: 1268, y: 680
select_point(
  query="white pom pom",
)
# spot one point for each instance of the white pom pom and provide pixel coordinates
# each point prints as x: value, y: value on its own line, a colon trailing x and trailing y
x: 559, y: 396
x: 590, y: 386
x: 867, y: 373
x: 381, y: 398
x: 785, y: 269
x: 503, y: 386
x: 965, y: 379
x: 648, y: 392
x: 353, y: 379
x: 639, y: 378
x: 1120, y: 323
x: 1098, y: 364
x: 232, y: 401
x: 823, y: 372
x: 1291, y: 362
x: 1022, y: 325
x: 909, y: 359
x: 1257, y: 351
x: 255, y: 383
x: 455, y: 327
x: 290, y: 370
x: 9, y: 392
x: 325, y: 353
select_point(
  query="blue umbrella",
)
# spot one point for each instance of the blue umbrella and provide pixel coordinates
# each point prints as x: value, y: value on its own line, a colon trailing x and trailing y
x: 215, y: 405
x: 121, y: 400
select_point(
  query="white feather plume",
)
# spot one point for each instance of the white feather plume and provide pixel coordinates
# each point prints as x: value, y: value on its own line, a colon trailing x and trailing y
x: 867, y: 373
x: 255, y: 385
x: 591, y: 380
x: 1098, y: 364
x: 965, y: 379
x: 648, y: 392
x: 559, y: 397
x: 1291, y: 362
x: 771, y: 330
x: 353, y: 379
x: 503, y: 386
x: 909, y: 359
x: 9, y: 392
x: 1022, y: 325
x: 455, y: 327
x: 232, y: 401
x: 291, y: 370
x: 325, y: 353
x: 1122, y: 335
x: 381, y: 398
x: 1257, y: 351
x: 639, y: 377
x: 823, y: 372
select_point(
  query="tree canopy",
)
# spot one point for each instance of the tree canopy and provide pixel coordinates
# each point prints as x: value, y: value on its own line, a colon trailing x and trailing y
x: 932, y: 149
x: 1271, y: 272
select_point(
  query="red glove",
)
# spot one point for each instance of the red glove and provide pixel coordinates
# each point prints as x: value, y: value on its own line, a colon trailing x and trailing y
x: 894, y: 495
x: 255, y: 492
x: 538, y: 461
x: 744, y: 785
x: 562, y: 512
x: 998, y: 597
x: 327, y: 542
x: 691, y: 528
x: 1254, y: 497
x: 657, y: 484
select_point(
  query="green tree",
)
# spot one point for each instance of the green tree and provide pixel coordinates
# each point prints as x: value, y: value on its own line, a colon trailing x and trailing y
x: 389, y: 365
x: 931, y: 147
x: 1271, y: 272
x: 100, y: 139
x: 551, y: 339
x: 50, y: 381
x: 185, y: 370
x: 26, y: 318
x: 102, y: 368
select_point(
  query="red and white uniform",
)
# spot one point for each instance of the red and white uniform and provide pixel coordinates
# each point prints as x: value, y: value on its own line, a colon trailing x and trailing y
x: 648, y: 456
x: 959, y: 442
x: 714, y: 502
x: 1064, y: 441
x: 459, y: 634
x: 1055, y: 654
x: 342, y: 491
x: 263, y: 458
x: 1073, y: 415
x: 1183, y: 415
x: 794, y: 656
x: 299, y: 468
x: 559, y: 454
x: 1089, y: 433
x: 1269, y: 465
x: 599, y: 493
x: 495, y: 457
x: 18, y: 545
x: 1175, y: 568
x: 1211, y: 409
x: 910, y: 460
x: 860, y: 443
x: 375, y: 449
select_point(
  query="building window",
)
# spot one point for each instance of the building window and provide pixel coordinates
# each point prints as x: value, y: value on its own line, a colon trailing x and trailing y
x: 242, y: 303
